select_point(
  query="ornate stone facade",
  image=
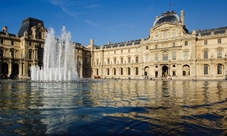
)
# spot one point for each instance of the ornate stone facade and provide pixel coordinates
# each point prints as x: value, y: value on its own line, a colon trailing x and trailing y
x: 170, y: 51
x: 19, y: 52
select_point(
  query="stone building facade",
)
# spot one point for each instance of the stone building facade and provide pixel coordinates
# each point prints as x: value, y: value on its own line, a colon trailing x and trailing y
x: 18, y: 52
x: 170, y: 51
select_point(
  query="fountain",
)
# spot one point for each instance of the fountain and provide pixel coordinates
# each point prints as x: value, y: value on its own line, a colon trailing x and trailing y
x: 59, y: 62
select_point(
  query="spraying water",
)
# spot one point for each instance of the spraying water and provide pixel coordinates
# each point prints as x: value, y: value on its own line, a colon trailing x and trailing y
x: 59, y: 62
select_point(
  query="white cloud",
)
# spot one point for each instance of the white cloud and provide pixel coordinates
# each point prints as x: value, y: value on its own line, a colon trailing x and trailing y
x: 117, y: 26
x: 90, y: 22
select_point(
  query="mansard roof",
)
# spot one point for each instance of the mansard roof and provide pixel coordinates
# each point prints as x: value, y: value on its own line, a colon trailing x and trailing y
x: 220, y: 30
x: 120, y: 44
x: 27, y: 24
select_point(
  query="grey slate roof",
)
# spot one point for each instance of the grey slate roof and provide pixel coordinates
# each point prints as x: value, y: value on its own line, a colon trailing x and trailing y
x: 27, y: 24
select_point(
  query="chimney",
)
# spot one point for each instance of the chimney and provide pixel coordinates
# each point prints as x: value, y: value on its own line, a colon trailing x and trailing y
x: 182, y: 16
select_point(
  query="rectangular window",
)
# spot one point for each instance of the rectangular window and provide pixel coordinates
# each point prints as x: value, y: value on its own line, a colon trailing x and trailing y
x: 174, y: 55
x: 174, y: 73
x: 137, y: 59
x: 219, y: 53
x: 186, y: 43
x: 12, y: 42
x: 173, y: 44
x: 219, y: 40
x: 219, y: 68
x: 115, y: 60
x: 108, y: 61
x: 128, y: 50
x: 146, y: 47
x: 121, y: 60
x: 30, y: 43
x: 1, y: 53
x: 165, y: 56
x: 186, y: 55
x: 205, y: 69
x: 1, y: 41
x: 205, y: 42
x: 156, y: 57
x: 146, y: 57
x: 156, y: 37
x: 129, y: 59
x: 205, y: 54
x: 121, y: 71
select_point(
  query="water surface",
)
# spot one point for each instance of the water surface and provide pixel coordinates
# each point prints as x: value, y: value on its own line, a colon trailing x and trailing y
x: 114, y: 107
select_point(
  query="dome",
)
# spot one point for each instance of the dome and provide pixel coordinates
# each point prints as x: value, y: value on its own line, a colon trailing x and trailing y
x: 170, y: 17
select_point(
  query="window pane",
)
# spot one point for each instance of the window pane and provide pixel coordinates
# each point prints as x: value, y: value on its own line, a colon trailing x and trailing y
x: 185, y: 55
x: 173, y: 55
x: 165, y: 57
x: 205, y: 69
x: 219, y: 68
x: 156, y: 56
x: 205, y: 54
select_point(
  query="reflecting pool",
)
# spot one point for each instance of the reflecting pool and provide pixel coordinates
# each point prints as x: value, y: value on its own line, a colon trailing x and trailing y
x: 114, y: 107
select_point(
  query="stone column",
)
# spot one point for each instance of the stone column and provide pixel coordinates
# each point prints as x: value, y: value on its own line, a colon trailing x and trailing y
x: 20, y: 69
x: 10, y: 68
x: 160, y: 71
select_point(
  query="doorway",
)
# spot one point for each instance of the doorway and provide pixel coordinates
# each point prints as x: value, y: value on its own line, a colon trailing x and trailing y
x: 164, y: 71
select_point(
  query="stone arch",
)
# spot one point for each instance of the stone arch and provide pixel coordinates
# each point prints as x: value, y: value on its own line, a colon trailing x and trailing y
x: 5, y: 68
x: 186, y: 70
x: 165, y: 71
x: 107, y: 71
x: 146, y: 71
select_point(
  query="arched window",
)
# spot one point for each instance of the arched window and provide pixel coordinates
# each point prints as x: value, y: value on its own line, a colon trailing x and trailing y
x: 206, y: 69
x: 129, y: 72
x: 137, y: 71
x: 97, y: 71
x: 108, y: 71
x: 121, y: 71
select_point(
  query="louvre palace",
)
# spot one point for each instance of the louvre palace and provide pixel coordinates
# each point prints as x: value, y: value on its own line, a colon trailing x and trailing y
x: 170, y: 51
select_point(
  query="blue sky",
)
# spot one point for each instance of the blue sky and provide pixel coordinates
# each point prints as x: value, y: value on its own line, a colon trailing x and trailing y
x: 110, y: 20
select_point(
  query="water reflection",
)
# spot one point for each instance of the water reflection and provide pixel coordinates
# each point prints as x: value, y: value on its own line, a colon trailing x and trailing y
x: 116, y: 107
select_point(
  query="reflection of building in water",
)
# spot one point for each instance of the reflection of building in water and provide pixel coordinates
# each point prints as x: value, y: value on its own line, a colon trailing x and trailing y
x: 164, y: 103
